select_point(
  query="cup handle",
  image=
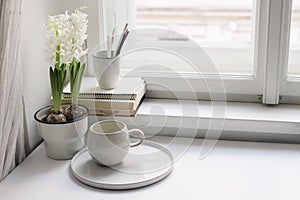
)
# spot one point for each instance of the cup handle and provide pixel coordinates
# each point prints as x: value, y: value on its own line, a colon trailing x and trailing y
x: 141, y: 134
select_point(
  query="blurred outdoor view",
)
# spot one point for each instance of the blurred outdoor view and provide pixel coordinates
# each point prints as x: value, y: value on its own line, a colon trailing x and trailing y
x: 212, y: 22
x: 294, y: 58
x: 225, y: 24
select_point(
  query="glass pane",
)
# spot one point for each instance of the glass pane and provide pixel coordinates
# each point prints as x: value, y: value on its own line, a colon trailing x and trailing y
x: 224, y: 28
x: 294, y: 58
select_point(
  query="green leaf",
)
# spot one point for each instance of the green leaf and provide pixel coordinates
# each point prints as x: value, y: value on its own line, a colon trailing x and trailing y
x: 64, y: 76
x: 77, y: 83
x: 57, y: 80
x: 71, y: 71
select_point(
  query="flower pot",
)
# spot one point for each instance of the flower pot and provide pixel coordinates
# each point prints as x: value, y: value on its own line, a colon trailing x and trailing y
x: 62, y: 140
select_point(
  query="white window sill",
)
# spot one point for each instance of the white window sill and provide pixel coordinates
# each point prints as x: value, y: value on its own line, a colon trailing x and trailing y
x: 233, y: 170
x: 242, y: 121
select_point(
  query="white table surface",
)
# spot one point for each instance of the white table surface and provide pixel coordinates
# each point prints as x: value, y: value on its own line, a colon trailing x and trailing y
x: 233, y: 170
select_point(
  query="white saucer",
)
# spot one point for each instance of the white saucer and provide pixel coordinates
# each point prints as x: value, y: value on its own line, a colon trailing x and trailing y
x: 144, y: 165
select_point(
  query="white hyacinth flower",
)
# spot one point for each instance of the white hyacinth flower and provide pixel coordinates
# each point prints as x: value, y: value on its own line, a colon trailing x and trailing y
x: 66, y: 35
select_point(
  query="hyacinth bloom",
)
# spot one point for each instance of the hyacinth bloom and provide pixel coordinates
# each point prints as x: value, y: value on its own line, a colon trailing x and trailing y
x: 66, y: 34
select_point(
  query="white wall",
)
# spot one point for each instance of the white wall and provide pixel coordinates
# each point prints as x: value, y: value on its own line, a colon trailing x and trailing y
x: 35, y: 69
x: 92, y: 11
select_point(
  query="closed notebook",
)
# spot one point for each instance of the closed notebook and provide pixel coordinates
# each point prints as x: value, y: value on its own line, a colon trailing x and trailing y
x: 126, y: 89
x: 126, y: 96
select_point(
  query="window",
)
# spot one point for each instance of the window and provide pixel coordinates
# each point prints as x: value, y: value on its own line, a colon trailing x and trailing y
x: 247, y: 41
x: 223, y: 28
x: 207, y: 22
x: 293, y: 67
x: 289, y: 87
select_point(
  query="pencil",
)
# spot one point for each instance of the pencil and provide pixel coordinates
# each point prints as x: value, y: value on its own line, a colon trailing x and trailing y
x: 121, y: 38
x: 122, y: 42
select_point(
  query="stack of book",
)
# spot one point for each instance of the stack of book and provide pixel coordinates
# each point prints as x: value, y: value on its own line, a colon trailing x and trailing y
x: 123, y: 100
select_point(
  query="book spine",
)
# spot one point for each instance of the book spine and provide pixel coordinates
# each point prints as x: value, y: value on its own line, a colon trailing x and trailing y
x: 104, y: 104
x: 102, y: 96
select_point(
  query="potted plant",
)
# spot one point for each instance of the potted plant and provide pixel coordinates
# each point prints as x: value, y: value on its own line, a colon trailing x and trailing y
x: 63, y: 127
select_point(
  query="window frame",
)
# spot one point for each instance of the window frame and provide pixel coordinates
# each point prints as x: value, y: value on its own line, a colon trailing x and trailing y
x: 251, y: 89
x: 267, y: 84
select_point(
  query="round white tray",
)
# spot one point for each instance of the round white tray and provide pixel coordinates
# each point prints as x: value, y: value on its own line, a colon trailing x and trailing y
x: 144, y: 165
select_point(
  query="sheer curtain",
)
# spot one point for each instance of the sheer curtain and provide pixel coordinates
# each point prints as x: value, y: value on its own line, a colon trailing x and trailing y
x: 12, y: 148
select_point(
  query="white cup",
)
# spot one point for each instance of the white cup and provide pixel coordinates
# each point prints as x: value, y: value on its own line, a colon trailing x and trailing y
x: 108, y: 141
x: 107, y: 70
